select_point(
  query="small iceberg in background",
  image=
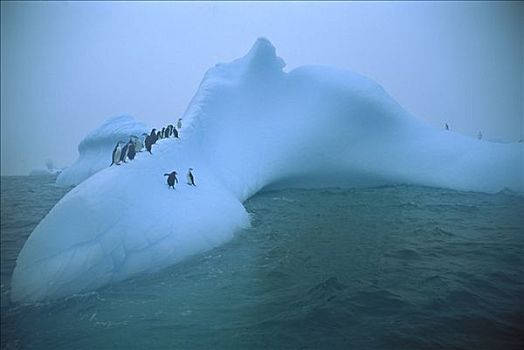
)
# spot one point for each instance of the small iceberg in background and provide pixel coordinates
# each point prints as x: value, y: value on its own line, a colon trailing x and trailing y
x: 49, y: 170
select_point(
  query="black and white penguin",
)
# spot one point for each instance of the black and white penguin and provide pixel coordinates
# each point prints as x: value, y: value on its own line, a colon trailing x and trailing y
x: 179, y: 123
x: 123, y: 154
x: 163, y: 133
x: 169, y: 130
x: 153, y: 136
x: 158, y: 136
x: 149, y: 141
x: 131, y: 150
x: 175, y: 133
x: 171, y: 179
x: 190, y: 177
x: 116, y: 153
x: 139, y: 142
x: 446, y: 127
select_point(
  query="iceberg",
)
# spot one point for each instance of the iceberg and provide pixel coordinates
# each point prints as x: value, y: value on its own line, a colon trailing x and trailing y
x: 96, y: 148
x: 251, y: 126
x: 49, y: 170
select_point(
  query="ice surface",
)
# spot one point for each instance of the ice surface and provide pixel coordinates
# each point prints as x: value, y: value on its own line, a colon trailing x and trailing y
x: 96, y: 149
x: 250, y: 126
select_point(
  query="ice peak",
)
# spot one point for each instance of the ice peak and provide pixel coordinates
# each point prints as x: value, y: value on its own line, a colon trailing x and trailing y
x: 262, y: 56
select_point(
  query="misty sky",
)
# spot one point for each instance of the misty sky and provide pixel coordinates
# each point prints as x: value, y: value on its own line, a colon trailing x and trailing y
x: 66, y: 67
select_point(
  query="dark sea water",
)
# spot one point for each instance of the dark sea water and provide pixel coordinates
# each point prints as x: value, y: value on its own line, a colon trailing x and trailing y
x: 381, y: 268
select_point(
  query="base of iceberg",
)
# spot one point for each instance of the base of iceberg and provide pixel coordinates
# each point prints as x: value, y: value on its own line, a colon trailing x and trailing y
x: 251, y: 126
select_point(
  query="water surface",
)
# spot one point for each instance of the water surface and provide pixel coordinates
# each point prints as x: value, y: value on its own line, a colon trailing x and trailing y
x: 381, y: 268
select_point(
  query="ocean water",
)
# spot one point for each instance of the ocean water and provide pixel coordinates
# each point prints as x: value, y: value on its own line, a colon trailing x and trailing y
x: 380, y: 268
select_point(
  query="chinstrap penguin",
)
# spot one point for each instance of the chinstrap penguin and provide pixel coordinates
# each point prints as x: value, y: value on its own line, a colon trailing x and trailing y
x: 190, y: 177
x: 116, y: 153
x: 171, y: 179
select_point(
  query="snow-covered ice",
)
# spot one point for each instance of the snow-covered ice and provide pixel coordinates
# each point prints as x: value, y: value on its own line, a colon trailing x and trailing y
x: 250, y: 126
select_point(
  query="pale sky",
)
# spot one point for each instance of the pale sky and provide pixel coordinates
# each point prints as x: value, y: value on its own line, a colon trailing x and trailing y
x: 68, y: 66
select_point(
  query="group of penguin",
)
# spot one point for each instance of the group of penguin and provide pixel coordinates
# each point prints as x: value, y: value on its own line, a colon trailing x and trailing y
x: 166, y: 132
x: 172, y: 179
x: 123, y: 151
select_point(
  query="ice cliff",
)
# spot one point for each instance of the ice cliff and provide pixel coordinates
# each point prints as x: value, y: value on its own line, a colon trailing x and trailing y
x: 250, y: 126
x: 94, y: 152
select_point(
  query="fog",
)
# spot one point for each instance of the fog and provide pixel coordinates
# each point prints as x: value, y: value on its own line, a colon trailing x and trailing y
x: 66, y: 67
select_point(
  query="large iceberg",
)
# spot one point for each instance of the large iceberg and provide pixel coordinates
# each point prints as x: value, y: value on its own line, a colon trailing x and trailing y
x: 95, y: 150
x: 250, y: 126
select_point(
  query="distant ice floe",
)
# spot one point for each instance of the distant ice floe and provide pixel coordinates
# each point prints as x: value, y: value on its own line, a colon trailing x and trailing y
x: 49, y: 170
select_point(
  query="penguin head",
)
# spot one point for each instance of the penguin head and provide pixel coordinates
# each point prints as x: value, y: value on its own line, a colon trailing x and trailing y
x: 190, y: 169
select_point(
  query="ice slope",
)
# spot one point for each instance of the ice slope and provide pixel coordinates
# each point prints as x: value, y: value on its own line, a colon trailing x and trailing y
x: 96, y: 148
x: 250, y: 126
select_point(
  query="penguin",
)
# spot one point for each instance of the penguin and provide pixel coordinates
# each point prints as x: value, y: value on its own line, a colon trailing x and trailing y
x: 179, y: 123
x: 171, y: 179
x: 139, y: 142
x: 131, y: 150
x: 446, y: 127
x: 158, y: 135
x: 169, y: 130
x: 190, y: 177
x: 148, y: 143
x: 163, y: 133
x: 123, y: 154
x: 153, y: 136
x: 116, y: 153
x: 175, y: 133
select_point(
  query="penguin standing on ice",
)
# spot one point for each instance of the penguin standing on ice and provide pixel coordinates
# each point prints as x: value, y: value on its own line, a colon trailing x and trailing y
x: 190, y: 177
x: 149, y: 143
x: 171, y: 179
x: 116, y: 153
x: 138, y: 142
x: 446, y: 127
x: 131, y: 150
x: 143, y: 140
x: 123, y: 154
x: 179, y: 124
x: 175, y: 133
x: 169, y: 130
x: 153, y: 136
